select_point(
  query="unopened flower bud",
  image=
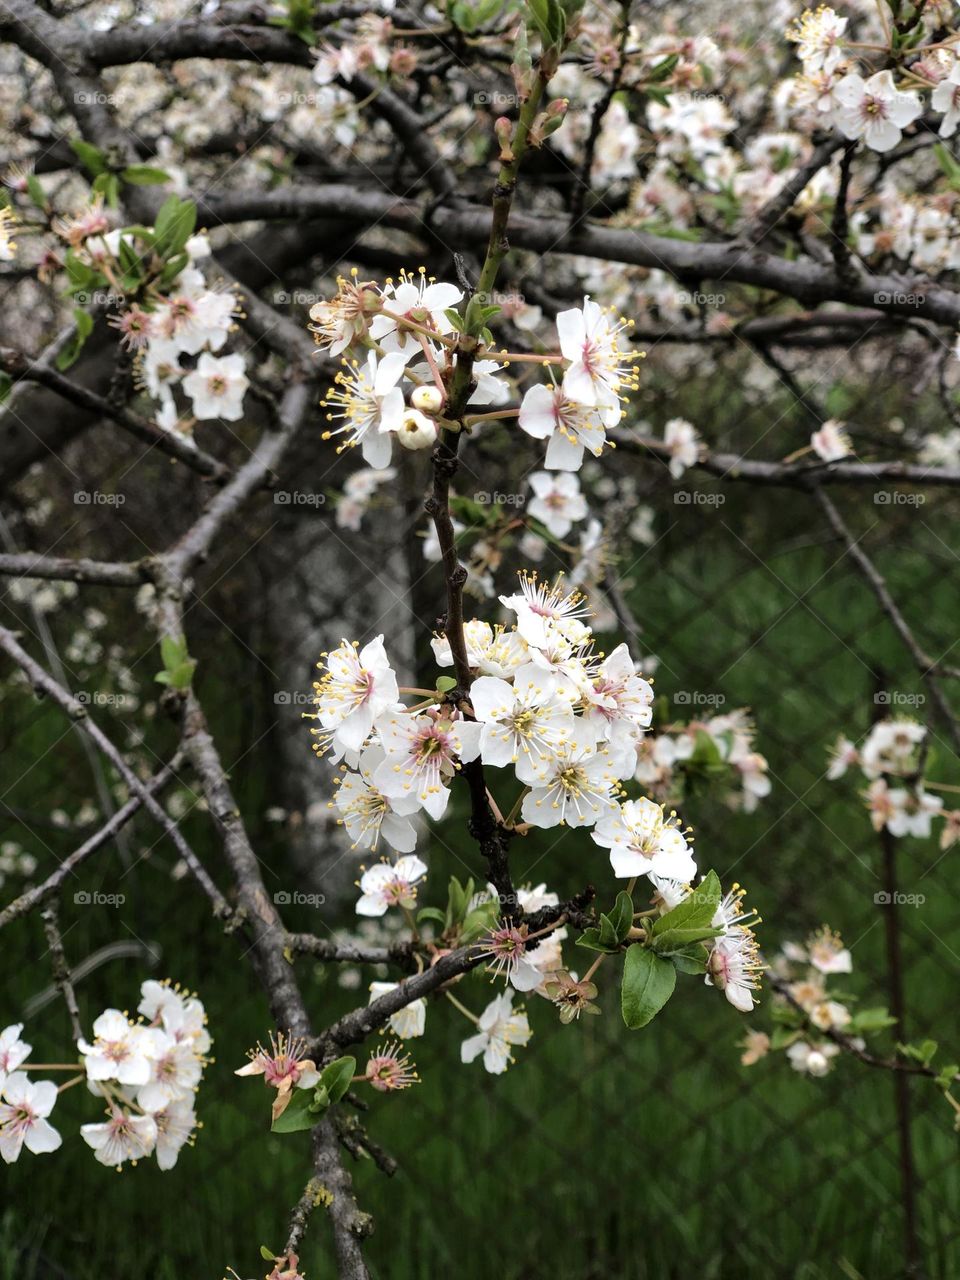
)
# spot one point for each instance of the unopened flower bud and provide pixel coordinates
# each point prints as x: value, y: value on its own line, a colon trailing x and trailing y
x: 504, y: 131
x: 416, y: 431
x: 428, y: 399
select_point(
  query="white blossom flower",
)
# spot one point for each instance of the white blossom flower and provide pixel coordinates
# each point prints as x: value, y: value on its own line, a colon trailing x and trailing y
x: 557, y: 501
x: 575, y: 787
x: 357, y: 686
x: 599, y: 365
x: 125, y: 1136
x: 831, y: 442
x: 642, y: 841
x: 175, y: 1072
x: 874, y: 109
x: 491, y: 651
x: 13, y: 1050
x: 500, y: 1027
x: 816, y: 34
x: 812, y: 1060
x: 891, y: 747
x: 539, y: 607
x: 176, y: 1124
x: 121, y: 1050
x: 408, y: 1022
x: 390, y: 885
x: 422, y: 755
x: 681, y: 438
x: 24, y: 1109
x: 827, y: 954
x: 217, y: 386
x: 370, y: 403
x: 618, y: 704
x: 524, y: 722
x: 368, y: 814
x: 420, y: 299
x: 548, y: 412
x: 946, y: 99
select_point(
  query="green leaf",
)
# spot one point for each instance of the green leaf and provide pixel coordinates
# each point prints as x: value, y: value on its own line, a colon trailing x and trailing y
x: 108, y: 185
x: 267, y: 1254
x: 621, y: 917
x: 663, y: 69
x: 648, y: 983
x: 70, y: 353
x: 673, y: 940
x: 691, y: 960
x: 869, y: 1020
x: 335, y: 1078
x: 783, y: 1037
x: 694, y: 913
x: 174, y: 226
x: 35, y: 191
x: 479, y: 922
x: 590, y: 938
x: 445, y: 684
x: 297, y: 1115
x: 91, y: 157
x: 947, y: 1077
x: 144, y: 175
x: 923, y: 1053
x: 431, y: 913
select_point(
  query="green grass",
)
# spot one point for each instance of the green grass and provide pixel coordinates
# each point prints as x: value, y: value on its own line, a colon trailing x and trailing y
x: 603, y: 1153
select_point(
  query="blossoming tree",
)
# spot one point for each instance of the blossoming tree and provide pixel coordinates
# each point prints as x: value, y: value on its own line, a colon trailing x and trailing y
x: 629, y: 157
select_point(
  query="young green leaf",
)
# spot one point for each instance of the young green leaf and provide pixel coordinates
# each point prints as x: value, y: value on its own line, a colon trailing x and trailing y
x: 648, y: 983
x: 336, y: 1077
x: 297, y: 1114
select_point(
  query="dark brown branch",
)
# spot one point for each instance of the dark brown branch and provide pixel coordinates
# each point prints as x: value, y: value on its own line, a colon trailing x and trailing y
x: 30, y: 564
x: 61, y: 970
x: 21, y: 368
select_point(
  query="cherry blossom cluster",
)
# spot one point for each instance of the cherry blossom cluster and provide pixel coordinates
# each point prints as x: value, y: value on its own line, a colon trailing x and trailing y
x: 805, y: 1009
x: 404, y: 334
x: 146, y: 1072
x: 892, y: 757
x: 720, y: 747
